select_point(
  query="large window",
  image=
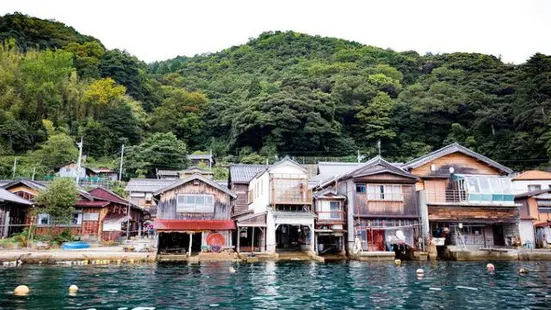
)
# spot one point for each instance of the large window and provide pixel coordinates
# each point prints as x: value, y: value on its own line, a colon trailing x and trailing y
x: 195, y: 203
x: 385, y: 192
x: 534, y: 187
x: 47, y: 220
x: 329, y: 210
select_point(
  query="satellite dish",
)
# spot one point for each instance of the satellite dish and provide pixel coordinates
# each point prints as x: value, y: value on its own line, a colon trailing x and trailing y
x: 452, y: 170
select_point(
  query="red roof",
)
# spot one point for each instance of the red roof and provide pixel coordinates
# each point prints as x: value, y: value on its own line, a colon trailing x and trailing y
x: 533, y: 175
x: 181, y: 225
x: 105, y: 194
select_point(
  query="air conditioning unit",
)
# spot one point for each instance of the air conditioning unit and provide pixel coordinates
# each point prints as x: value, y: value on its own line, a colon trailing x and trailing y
x: 148, y: 197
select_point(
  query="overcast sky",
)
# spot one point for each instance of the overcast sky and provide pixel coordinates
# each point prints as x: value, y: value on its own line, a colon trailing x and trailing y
x: 159, y: 29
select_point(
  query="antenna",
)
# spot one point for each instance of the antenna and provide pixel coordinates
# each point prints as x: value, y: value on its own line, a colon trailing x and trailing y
x: 359, y: 157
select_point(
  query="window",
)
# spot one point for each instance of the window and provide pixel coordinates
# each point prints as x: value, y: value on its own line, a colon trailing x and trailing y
x: 534, y: 187
x: 385, y: 192
x: 195, y: 203
x: 46, y: 220
x: 330, y: 210
x: 360, y: 188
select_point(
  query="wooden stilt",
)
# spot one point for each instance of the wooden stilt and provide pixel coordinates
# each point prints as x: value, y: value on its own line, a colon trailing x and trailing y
x: 238, y: 238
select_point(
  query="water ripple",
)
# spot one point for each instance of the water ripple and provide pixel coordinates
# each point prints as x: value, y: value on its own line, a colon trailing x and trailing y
x: 285, y: 285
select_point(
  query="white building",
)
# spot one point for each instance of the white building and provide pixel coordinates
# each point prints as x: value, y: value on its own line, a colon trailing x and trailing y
x: 279, y: 216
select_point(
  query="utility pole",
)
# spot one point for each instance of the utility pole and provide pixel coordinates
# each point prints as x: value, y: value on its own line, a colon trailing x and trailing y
x: 379, y: 147
x: 14, y: 167
x: 210, y: 160
x: 122, y: 158
x: 79, y: 162
x: 34, y: 172
x: 128, y: 223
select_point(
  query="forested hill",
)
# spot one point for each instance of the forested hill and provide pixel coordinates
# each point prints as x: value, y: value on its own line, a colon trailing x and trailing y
x: 282, y: 93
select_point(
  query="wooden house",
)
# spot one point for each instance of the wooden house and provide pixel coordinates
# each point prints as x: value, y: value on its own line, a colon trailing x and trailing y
x: 466, y: 199
x: 14, y: 211
x: 535, y: 217
x: 99, y: 215
x: 194, y: 214
x: 379, y: 205
x: 140, y: 191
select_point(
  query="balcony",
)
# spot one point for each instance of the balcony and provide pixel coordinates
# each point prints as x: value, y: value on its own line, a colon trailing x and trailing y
x: 473, y: 190
x: 289, y: 189
x: 330, y: 217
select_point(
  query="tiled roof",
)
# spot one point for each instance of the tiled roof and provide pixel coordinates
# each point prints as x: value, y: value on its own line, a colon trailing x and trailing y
x: 196, y: 177
x: 29, y: 183
x: 533, y: 175
x: 147, y: 185
x: 330, y: 169
x: 242, y: 173
x: 7, y: 196
x: 450, y: 149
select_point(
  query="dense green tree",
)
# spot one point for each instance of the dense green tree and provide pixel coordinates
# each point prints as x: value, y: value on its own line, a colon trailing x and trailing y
x: 58, y: 200
x: 159, y: 151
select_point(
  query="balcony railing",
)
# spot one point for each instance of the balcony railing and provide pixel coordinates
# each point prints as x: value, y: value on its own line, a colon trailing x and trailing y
x: 290, y: 189
x: 392, y: 208
x: 465, y: 197
x: 330, y: 216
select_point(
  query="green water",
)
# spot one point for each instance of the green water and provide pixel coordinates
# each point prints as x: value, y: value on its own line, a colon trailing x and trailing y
x: 285, y: 285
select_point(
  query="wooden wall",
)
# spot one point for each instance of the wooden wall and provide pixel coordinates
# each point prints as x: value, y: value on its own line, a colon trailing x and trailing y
x: 461, y: 213
x: 407, y: 207
x: 241, y: 203
x: 461, y: 163
x: 166, y: 208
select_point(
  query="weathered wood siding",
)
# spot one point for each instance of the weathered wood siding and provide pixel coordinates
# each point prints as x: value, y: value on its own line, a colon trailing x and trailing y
x: 382, y: 208
x: 461, y: 163
x: 462, y: 213
x: 166, y: 208
x: 241, y: 203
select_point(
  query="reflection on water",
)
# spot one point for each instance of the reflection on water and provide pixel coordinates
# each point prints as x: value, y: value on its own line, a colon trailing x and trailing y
x: 285, y: 285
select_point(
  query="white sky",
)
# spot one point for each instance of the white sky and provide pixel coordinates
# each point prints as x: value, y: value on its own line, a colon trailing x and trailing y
x: 161, y: 29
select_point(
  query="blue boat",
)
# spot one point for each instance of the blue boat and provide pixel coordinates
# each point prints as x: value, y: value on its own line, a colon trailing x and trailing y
x: 75, y: 245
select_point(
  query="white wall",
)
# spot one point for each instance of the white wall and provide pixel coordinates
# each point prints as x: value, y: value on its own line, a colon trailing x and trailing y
x: 522, y: 186
x: 69, y: 171
x: 526, y: 230
x: 260, y: 185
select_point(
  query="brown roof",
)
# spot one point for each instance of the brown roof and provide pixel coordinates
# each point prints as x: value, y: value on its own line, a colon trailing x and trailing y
x: 533, y: 175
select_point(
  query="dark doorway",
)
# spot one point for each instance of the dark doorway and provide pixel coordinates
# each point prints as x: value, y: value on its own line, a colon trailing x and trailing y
x: 289, y: 237
x: 178, y: 243
x: 329, y: 244
x: 498, y: 235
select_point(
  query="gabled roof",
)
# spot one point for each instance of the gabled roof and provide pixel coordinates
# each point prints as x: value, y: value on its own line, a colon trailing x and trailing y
x: 288, y: 160
x: 328, y: 192
x: 450, y: 149
x: 376, y: 165
x: 105, y: 194
x: 29, y: 183
x: 10, y: 197
x: 533, y: 175
x: 196, y: 177
x: 243, y: 173
x: 533, y: 193
x: 147, y: 185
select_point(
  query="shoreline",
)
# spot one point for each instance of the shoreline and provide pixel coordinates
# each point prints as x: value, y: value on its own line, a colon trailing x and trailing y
x: 116, y: 255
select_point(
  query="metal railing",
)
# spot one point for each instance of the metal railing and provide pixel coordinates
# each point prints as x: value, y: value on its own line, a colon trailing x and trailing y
x: 464, y: 197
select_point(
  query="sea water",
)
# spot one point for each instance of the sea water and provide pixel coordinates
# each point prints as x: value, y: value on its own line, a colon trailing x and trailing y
x: 282, y: 285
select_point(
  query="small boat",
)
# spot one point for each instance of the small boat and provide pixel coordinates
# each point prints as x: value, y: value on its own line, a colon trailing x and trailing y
x: 75, y: 245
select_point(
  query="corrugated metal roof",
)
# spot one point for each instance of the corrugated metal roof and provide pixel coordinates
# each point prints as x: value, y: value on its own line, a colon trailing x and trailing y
x: 168, y: 172
x: 183, y: 225
x: 147, y: 185
x: 242, y: 173
x: 7, y: 196
x: 200, y: 156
